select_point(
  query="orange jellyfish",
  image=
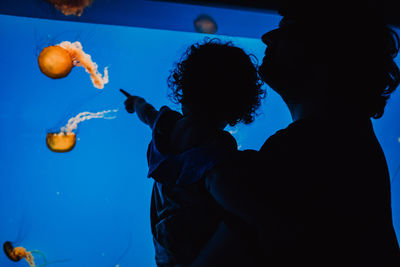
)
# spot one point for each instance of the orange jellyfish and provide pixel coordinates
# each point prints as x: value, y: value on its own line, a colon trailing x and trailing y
x: 205, y: 24
x: 61, y: 142
x: 71, y: 7
x: 18, y: 253
x: 65, y: 139
x: 56, y: 62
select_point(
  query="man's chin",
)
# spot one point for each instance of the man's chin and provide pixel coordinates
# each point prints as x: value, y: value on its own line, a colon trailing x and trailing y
x: 268, y: 73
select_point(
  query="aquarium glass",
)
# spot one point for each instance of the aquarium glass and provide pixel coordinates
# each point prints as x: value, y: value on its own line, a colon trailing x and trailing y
x: 90, y: 206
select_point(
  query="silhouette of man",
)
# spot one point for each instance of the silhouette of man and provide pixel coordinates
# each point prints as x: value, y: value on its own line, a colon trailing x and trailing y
x: 318, y: 192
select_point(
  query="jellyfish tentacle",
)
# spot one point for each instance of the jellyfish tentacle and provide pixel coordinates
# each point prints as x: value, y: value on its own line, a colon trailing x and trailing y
x: 80, y: 58
x: 42, y: 256
x: 24, y: 228
x: 30, y: 259
x: 126, y: 250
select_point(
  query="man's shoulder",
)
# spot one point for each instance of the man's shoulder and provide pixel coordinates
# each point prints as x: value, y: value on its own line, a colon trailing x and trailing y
x: 278, y: 139
x: 297, y: 134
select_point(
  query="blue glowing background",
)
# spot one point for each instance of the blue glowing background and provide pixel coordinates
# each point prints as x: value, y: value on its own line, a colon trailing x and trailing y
x: 91, y: 205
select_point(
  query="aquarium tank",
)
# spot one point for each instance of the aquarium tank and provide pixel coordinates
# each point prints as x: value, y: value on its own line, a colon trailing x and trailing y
x: 73, y: 172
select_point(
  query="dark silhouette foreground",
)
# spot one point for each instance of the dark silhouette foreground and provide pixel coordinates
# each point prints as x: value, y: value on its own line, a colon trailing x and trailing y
x: 318, y: 192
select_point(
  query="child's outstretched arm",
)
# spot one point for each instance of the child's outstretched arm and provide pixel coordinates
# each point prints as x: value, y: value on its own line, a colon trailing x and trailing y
x: 146, y: 112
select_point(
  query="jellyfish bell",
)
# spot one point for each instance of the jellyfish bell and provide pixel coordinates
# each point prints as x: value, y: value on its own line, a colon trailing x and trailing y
x: 205, y: 24
x: 61, y: 142
x: 55, y: 62
x: 19, y: 253
x: 9, y: 251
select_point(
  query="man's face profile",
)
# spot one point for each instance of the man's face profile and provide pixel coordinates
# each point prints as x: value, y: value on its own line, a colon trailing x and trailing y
x: 284, y: 62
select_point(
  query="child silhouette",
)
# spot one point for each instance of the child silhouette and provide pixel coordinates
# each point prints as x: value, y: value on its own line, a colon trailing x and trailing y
x: 216, y: 84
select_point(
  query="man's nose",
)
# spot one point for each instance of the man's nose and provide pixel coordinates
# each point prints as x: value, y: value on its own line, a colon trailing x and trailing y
x: 268, y: 38
x: 268, y: 42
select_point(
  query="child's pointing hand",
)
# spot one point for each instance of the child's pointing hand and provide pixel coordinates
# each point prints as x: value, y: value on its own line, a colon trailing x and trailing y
x: 130, y: 101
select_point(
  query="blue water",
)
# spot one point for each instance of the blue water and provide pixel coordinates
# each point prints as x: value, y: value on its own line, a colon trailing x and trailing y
x: 91, y: 206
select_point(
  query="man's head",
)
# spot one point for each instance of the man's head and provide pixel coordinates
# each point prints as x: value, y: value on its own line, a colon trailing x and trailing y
x: 340, y: 53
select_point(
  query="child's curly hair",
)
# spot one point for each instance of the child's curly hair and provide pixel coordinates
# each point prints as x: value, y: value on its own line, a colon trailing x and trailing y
x: 217, y: 81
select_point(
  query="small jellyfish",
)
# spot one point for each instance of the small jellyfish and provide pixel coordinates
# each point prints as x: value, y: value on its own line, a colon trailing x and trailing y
x: 56, y: 62
x: 65, y: 139
x: 18, y: 253
x: 71, y: 7
x: 61, y: 142
x: 205, y: 24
